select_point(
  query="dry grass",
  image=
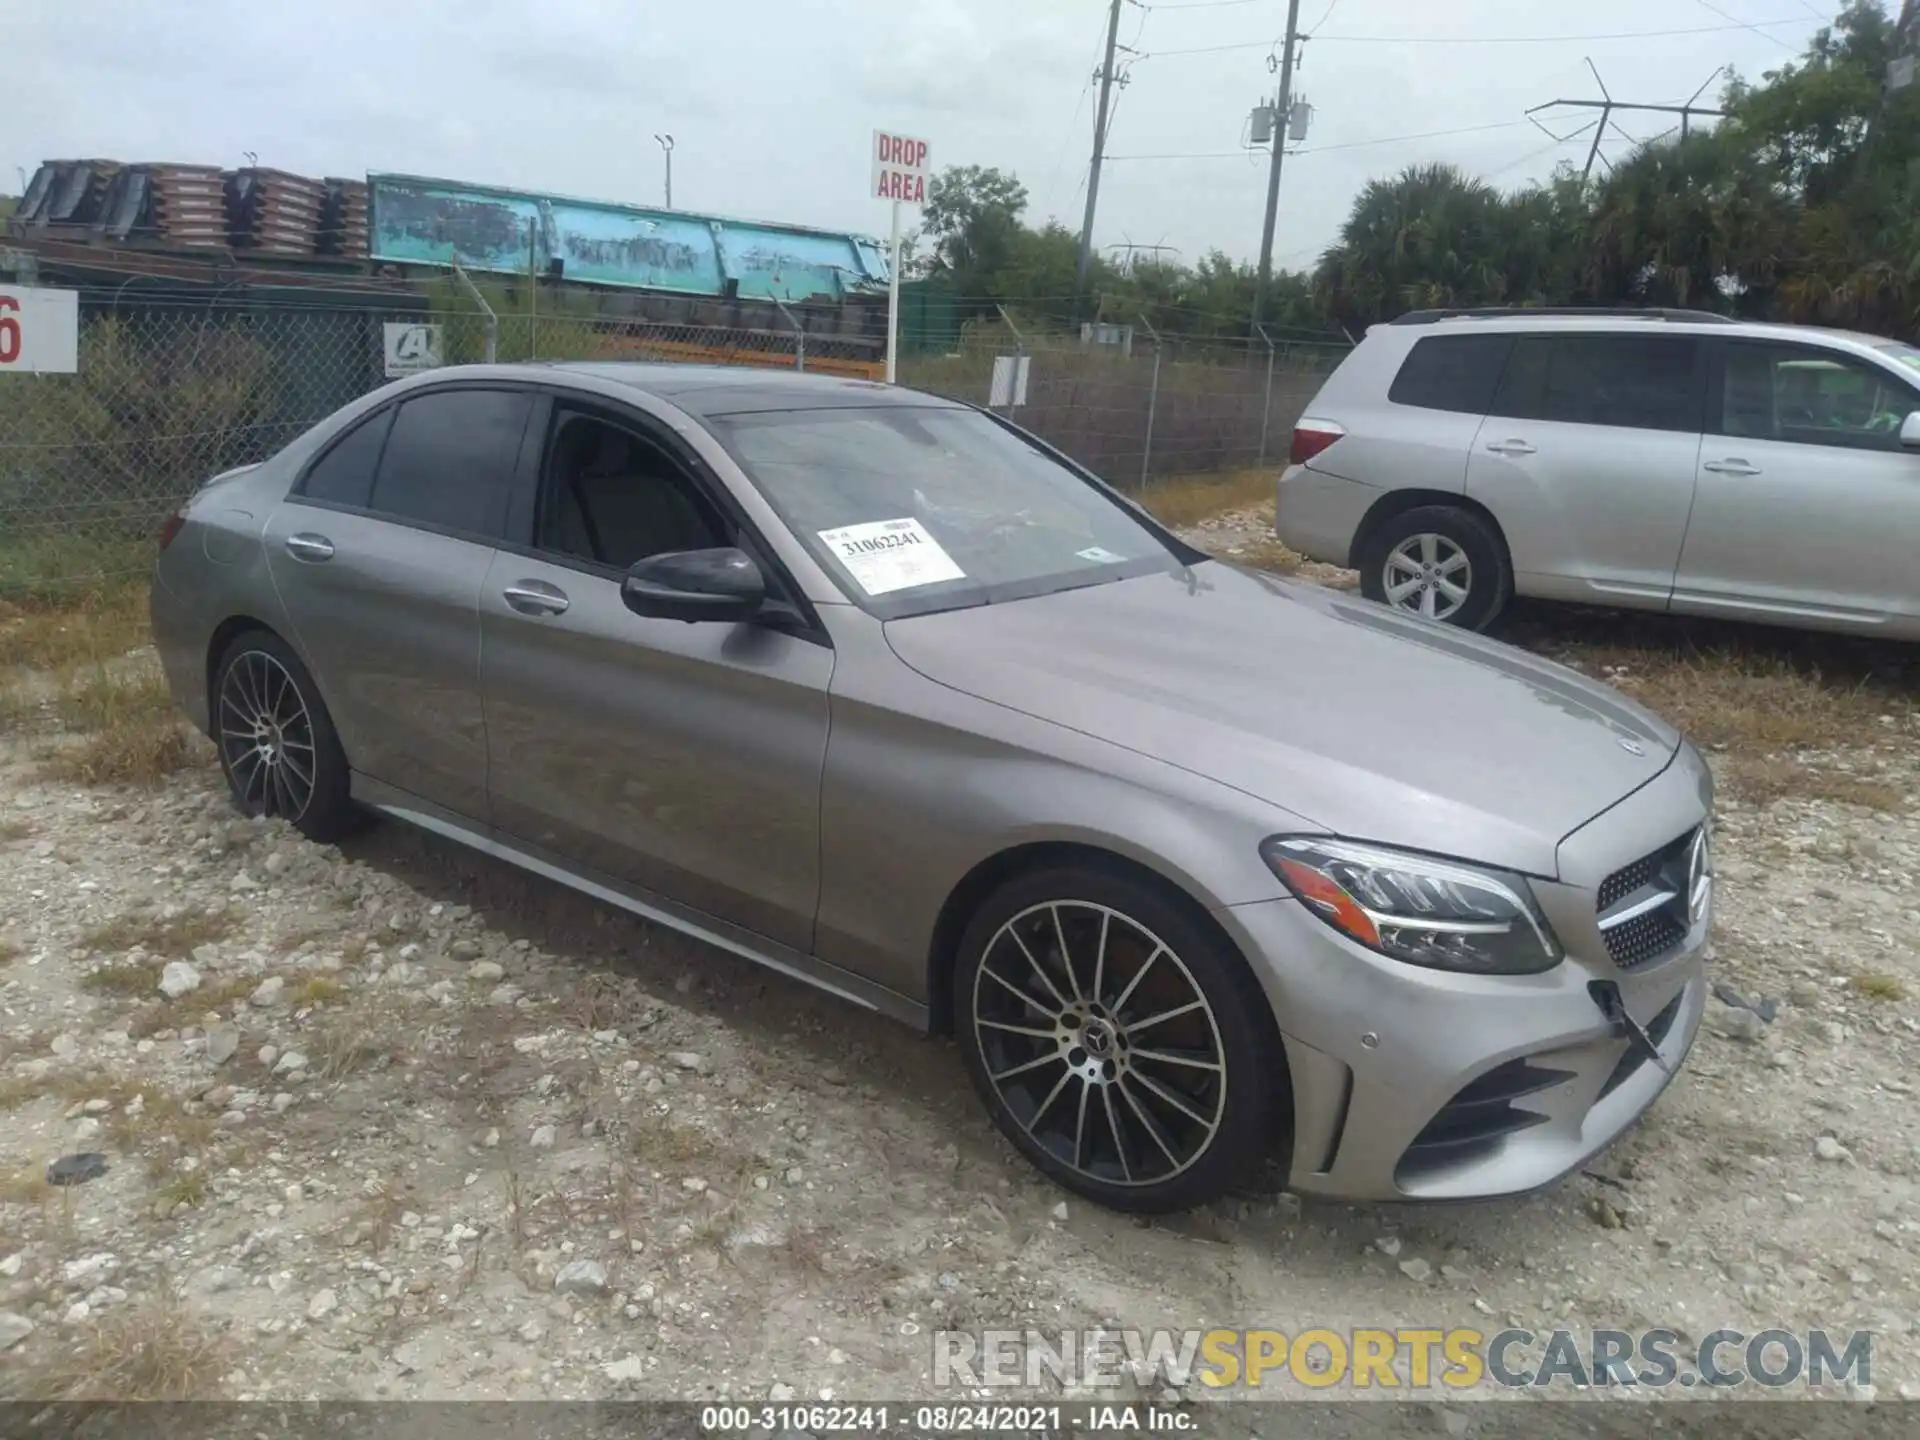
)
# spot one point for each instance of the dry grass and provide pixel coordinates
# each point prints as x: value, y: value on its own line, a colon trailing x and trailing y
x: 143, y: 1352
x: 1184, y: 500
x: 24, y: 1186
x: 345, y: 1046
x: 85, y: 627
x: 10, y: 950
x: 1878, y: 987
x: 317, y: 990
x: 172, y: 939
x: 1264, y: 554
x: 187, y: 1010
x: 122, y: 980
x: 15, y: 829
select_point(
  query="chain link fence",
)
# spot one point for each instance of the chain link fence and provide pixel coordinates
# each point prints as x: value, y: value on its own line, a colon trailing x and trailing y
x: 170, y: 393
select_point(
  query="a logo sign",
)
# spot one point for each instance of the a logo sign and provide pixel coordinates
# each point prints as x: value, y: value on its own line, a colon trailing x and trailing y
x: 39, y: 330
x: 1699, y: 877
x: 900, y: 168
x: 411, y: 347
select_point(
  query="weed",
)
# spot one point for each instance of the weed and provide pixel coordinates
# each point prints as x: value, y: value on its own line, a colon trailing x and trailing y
x: 1184, y: 500
x: 15, y: 829
x: 184, y: 1187
x: 317, y: 990
x: 1878, y: 987
x: 176, y: 938
x: 124, y: 980
x: 172, y: 1014
x: 152, y: 1351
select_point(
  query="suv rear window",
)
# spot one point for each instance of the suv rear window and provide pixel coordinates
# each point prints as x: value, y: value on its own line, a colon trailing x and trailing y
x: 1638, y: 382
x: 1452, y: 372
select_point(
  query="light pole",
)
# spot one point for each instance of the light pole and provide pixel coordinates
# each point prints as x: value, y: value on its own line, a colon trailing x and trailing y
x: 666, y: 145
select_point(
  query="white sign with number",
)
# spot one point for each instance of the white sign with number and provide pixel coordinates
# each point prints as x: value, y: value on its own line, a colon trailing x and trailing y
x: 411, y: 348
x: 39, y: 330
x: 900, y: 169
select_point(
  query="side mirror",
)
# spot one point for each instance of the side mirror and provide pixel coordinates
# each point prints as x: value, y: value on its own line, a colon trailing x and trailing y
x: 1910, y: 431
x: 695, y: 585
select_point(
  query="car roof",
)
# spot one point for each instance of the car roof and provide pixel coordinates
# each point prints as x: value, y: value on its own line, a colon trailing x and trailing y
x: 1628, y: 321
x: 710, y: 390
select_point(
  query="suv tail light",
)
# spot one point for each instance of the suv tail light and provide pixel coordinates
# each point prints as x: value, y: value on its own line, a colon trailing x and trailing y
x: 172, y: 527
x: 1312, y: 437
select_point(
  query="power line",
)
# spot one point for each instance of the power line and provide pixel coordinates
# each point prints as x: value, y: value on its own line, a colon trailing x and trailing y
x: 1724, y: 15
x: 1343, y: 145
x: 1758, y: 26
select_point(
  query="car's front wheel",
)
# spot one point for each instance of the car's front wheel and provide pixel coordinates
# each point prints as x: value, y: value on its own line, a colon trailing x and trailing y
x: 1440, y: 562
x: 278, y: 747
x: 1117, y: 1042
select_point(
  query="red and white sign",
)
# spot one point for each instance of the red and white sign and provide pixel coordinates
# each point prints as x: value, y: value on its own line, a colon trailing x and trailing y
x: 900, y: 170
x: 39, y: 331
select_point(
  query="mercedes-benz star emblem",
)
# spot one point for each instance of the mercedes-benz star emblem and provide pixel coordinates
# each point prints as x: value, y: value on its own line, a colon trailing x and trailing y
x: 1097, y: 1038
x: 1699, y: 877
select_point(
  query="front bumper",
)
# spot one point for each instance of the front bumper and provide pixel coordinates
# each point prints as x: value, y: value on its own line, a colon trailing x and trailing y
x: 1416, y: 1084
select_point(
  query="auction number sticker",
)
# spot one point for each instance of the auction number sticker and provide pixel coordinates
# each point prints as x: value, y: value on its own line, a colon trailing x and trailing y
x: 888, y: 555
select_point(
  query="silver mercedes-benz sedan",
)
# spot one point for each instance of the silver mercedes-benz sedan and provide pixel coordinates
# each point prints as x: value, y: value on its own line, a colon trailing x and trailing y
x: 875, y: 689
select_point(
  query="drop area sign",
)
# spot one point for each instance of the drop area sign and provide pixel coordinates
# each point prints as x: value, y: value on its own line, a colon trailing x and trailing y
x: 39, y: 330
x: 899, y: 168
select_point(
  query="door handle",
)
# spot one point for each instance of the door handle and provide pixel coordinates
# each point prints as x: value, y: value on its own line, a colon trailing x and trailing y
x: 309, y: 547
x: 1511, y: 447
x: 1731, y: 467
x: 536, y: 597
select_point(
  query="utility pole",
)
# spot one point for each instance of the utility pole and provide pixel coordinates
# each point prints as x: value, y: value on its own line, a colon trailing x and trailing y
x: 1282, y: 106
x: 1099, y: 149
x: 1609, y: 107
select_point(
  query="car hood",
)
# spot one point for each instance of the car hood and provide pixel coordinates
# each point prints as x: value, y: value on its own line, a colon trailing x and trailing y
x: 1367, y: 723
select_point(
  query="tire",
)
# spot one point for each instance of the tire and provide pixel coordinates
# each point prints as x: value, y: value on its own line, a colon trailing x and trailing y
x: 1446, y: 536
x: 1214, y: 1127
x: 278, y: 748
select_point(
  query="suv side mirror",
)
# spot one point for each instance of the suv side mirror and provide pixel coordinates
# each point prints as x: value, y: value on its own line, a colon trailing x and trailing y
x: 1910, y: 431
x: 695, y: 585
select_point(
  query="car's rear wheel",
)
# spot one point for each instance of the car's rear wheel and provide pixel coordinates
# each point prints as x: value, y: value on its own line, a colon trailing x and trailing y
x: 278, y: 747
x: 1439, y: 562
x: 1117, y: 1042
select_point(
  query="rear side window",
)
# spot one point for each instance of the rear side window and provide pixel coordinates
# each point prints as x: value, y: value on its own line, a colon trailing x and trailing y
x: 344, y: 475
x: 1452, y: 372
x: 449, y: 461
x: 1639, y: 382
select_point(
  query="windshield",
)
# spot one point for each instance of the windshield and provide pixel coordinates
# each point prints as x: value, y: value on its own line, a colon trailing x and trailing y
x: 1898, y: 350
x: 918, y: 509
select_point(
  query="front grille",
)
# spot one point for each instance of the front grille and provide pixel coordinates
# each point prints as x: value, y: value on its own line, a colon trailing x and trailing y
x: 1631, y: 1062
x: 1473, y: 1123
x: 1658, y: 881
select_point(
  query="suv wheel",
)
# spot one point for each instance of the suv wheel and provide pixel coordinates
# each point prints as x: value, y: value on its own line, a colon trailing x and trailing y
x: 1439, y: 562
x: 1115, y: 1042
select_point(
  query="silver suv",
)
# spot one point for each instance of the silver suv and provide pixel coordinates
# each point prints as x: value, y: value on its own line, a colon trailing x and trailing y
x: 1653, y: 459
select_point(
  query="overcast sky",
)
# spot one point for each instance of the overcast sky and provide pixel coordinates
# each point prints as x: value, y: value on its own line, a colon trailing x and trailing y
x: 771, y: 102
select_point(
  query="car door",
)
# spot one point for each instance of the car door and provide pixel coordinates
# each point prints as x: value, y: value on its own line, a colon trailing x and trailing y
x: 379, y: 554
x: 1807, y: 507
x: 681, y: 758
x: 1587, y: 461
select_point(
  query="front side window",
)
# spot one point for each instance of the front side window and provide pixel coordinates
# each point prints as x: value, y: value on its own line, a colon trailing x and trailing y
x: 612, y: 497
x: 917, y: 509
x: 1808, y: 396
x: 450, y: 457
x: 1639, y: 382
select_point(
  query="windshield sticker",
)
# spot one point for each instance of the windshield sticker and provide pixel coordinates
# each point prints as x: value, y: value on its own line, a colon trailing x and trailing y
x: 888, y: 555
x: 1098, y: 555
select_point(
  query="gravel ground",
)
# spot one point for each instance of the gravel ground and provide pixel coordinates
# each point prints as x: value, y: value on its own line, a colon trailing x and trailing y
x: 395, y: 1121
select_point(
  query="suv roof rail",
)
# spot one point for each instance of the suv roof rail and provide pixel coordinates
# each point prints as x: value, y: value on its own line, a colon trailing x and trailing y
x: 1522, y: 312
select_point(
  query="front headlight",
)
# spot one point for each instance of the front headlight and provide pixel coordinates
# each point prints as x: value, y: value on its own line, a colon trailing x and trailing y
x: 1438, y: 913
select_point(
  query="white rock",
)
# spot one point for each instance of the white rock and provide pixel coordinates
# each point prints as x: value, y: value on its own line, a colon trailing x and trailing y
x: 87, y: 1129
x: 581, y: 1277
x: 1060, y: 1211
x: 11, y: 1265
x: 693, y: 1185
x: 223, y: 1043
x: 630, y: 1368
x: 322, y: 1305
x: 292, y: 1060
x: 542, y: 1137
x: 88, y: 1270
x: 533, y: 1331
x: 13, y: 1329
x: 1828, y: 1148
x: 1418, y: 1271
x: 64, y: 1046
x: 781, y: 1392
x: 688, y: 1060
x: 77, y: 1312
x: 179, y: 978
x: 1388, y: 1245
x: 268, y: 993
x: 486, y: 972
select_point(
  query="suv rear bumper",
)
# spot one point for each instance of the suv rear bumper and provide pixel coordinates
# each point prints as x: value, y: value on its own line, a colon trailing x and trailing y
x: 1318, y: 515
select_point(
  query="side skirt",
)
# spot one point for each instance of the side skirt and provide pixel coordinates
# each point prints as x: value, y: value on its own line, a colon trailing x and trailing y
x: 695, y: 924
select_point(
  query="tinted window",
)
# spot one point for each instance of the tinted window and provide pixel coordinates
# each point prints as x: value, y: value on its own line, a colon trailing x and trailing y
x: 344, y: 475
x: 614, y: 497
x: 1452, y: 372
x: 1642, y: 382
x: 1811, y: 397
x: 450, y: 459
